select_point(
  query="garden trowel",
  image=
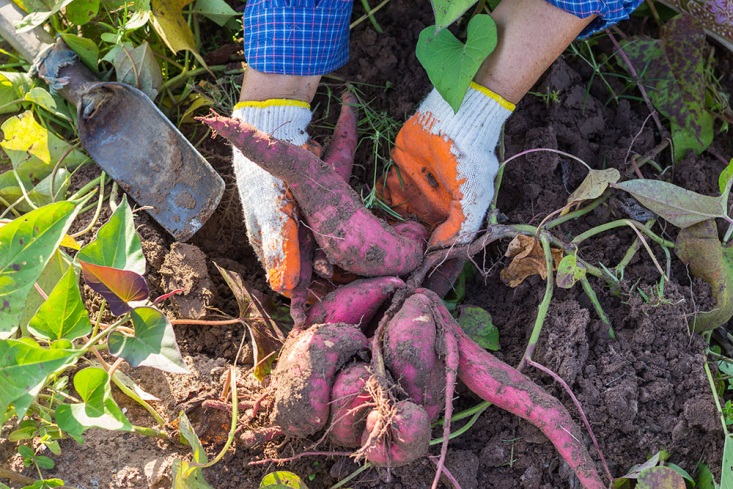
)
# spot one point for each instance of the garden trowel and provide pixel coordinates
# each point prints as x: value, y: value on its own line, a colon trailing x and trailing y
x: 125, y: 133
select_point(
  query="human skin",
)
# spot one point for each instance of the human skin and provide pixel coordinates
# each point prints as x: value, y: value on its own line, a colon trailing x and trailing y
x: 532, y: 34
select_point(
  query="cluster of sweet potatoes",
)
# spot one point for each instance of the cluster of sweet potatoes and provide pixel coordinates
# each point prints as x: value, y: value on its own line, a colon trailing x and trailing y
x: 373, y: 363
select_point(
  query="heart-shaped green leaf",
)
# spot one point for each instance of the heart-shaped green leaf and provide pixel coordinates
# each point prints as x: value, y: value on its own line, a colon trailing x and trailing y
x: 24, y: 368
x: 724, y: 178
x: 216, y: 10
x: 55, y: 269
x: 86, y: 49
x: 99, y: 409
x: 118, y: 287
x: 117, y: 244
x: 26, y: 245
x: 447, y: 11
x: 450, y: 64
x: 154, y: 343
x: 679, y: 206
x: 63, y: 315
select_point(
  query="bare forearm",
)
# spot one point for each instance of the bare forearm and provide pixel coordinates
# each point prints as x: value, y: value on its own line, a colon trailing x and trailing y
x: 263, y: 86
x: 532, y: 34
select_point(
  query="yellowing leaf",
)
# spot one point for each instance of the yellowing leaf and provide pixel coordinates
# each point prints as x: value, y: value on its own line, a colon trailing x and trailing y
x: 69, y: 242
x: 594, y: 184
x: 528, y: 259
x: 33, y: 150
x: 168, y: 22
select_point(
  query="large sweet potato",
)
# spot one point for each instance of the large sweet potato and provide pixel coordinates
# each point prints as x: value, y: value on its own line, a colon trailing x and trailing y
x: 351, y: 236
x: 411, y: 355
x: 304, y: 375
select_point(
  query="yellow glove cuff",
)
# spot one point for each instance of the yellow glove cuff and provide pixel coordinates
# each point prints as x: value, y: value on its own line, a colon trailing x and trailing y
x: 499, y: 99
x: 274, y: 102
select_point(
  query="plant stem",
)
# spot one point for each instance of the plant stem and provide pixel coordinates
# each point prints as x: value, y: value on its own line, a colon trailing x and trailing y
x: 597, y: 306
x: 476, y: 413
x: 97, y: 213
x: 132, y: 395
x: 715, y: 396
x: 550, y: 150
x: 351, y: 476
x: 205, y: 322
x: 144, y: 430
x: 621, y: 222
x: 370, y: 14
x: 235, y: 420
x: 544, y: 305
x: 635, y: 75
x: 579, y: 212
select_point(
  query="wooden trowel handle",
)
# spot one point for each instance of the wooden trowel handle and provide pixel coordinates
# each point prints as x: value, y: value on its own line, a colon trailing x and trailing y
x: 29, y: 43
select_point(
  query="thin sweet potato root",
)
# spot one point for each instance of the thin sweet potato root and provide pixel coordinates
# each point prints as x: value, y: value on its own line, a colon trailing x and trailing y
x: 351, y: 236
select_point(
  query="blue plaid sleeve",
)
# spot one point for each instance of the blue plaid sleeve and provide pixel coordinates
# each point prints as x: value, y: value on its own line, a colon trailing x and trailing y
x: 297, y: 37
x: 609, y: 12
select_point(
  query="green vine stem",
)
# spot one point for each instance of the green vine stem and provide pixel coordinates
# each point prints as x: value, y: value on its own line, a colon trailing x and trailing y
x: 351, y: 476
x: 97, y: 213
x: 370, y: 14
x: 476, y: 412
x: 235, y: 421
x: 579, y: 212
x: 597, y: 306
x: 544, y: 305
x: 616, y: 224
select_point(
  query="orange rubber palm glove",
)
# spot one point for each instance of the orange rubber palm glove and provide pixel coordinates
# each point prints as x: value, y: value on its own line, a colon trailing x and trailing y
x: 270, y: 212
x: 446, y: 164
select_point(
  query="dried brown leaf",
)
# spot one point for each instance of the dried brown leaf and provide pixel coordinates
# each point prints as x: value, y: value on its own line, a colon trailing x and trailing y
x: 528, y: 259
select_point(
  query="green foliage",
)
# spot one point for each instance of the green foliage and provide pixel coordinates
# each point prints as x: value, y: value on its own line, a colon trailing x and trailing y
x: 726, y: 479
x: 282, y: 479
x: 448, y: 11
x: 451, y: 64
x: 186, y: 475
x: 672, y: 70
x: 569, y: 272
x: 152, y: 345
x: 26, y: 246
x: 477, y: 324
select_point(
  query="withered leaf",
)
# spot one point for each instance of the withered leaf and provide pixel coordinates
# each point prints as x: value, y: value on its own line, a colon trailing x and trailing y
x: 527, y: 259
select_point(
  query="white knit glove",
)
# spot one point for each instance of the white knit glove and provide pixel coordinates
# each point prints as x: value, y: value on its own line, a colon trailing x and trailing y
x: 447, y: 164
x: 270, y: 212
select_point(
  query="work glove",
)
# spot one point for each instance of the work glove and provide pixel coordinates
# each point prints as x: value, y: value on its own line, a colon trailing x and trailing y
x: 446, y: 164
x: 270, y: 212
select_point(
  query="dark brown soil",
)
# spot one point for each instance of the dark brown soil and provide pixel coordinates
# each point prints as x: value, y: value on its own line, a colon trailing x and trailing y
x: 644, y: 391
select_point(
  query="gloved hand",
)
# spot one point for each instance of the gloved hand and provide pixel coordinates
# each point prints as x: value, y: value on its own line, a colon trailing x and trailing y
x: 447, y: 164
x: 270, y: 212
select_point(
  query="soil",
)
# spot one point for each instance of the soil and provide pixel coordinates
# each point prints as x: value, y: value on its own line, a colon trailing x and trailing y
x: 643, y: 391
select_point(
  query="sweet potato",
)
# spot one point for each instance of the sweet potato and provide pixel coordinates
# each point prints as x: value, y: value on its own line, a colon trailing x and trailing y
x: 355, y: 303
x: 410, y: 354
x: 340, y: 153
x: 351, y: 236
x: 304, y: 375
x: 405, y: 436
x: 350, y: 404
x: 504, y: 386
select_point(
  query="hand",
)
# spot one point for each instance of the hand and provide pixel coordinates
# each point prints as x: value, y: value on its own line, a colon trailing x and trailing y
x: 446, y: 164
x: 270, y: 213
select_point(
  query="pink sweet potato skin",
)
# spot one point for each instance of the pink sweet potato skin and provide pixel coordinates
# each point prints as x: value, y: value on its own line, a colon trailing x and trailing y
x: 350, y: 404
x: 351, y: 236
x: 304, y: 375
x: 355, y: 303
x: 340, y: 153
x: 407, y: 439
x: 496, y: 382
x: 409, y: 350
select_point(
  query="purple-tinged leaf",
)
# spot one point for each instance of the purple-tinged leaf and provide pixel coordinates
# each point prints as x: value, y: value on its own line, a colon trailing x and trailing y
x: 660, y: 478
x: 118, y: 287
